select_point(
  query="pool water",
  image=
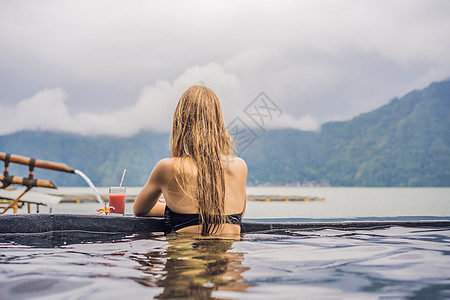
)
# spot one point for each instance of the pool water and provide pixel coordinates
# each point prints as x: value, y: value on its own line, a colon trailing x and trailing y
x: 391, y: 263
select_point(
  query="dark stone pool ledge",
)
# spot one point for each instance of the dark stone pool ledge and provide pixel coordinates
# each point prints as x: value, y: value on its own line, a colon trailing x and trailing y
x: 38, y: 223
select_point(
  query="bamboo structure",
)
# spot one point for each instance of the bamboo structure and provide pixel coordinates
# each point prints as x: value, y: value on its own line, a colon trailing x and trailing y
x: 39, y: 163
x: 283, y: 198
x: 29, y: 181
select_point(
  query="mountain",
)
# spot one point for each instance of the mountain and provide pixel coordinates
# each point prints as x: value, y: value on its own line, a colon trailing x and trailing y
x: 101, y: 158
x: 403, y: 143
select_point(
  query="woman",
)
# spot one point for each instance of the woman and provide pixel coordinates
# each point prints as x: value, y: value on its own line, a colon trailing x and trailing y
x: 203, y: 184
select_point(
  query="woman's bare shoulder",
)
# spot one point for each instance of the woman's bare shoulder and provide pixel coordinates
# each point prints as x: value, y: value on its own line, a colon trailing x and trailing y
x: 165, y: 162
x: 235, y: 163
x: 163, y: 168
x: 240, y: 162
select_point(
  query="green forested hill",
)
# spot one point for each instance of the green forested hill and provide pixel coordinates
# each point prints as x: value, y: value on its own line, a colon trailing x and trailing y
x: 102, y: 158
x: 403, y: 143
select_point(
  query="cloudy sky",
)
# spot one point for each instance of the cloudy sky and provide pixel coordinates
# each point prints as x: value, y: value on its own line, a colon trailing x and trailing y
x: 116, y: 67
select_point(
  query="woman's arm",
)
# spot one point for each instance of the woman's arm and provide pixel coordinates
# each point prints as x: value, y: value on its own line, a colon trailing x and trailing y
x: 158, y: 209
x: 147, y: 199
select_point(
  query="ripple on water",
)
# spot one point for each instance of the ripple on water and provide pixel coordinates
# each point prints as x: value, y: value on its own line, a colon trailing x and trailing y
x: 397, y: 262
x: 392, y: 262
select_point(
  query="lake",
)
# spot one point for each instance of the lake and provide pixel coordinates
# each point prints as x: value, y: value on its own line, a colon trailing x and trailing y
x: 340, y: 202
x: 373, y: 263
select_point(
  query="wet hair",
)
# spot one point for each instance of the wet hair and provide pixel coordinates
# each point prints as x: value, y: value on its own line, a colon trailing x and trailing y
x: 199, y: 132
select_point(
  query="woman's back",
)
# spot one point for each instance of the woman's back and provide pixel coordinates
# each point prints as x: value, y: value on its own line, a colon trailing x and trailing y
x: 182, y: 185
x: 203, y: 184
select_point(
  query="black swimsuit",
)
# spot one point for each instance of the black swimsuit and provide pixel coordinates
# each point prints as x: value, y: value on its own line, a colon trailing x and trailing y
x: 175, y: 221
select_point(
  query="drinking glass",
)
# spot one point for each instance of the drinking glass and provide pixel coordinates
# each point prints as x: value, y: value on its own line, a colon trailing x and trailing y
x: 117, y: 200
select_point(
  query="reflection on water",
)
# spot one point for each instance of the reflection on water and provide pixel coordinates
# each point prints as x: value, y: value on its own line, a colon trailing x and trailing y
x: 52, y: 239
x: 193, y: 268
x: 79, y: 265
x: 394, y: 263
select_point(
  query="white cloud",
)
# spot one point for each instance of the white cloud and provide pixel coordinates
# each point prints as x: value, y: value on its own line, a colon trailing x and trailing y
x: 284, y: 120
x: 305, y: 122
x: 45, y: 110
x: 325, y: 59
x: 153, y: 110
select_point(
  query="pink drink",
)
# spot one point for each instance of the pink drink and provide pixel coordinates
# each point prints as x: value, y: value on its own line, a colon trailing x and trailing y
x: 117, y: 200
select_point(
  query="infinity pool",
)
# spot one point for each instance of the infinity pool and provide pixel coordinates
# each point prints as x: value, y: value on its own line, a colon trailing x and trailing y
x: 391, y: 263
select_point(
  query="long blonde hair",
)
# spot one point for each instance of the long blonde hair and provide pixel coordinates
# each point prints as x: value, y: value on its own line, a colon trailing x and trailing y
x: 199, y: 132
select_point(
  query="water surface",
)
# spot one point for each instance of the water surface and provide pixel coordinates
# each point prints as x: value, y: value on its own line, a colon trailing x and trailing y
x: 392, y: 263
x: 397, y: 262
